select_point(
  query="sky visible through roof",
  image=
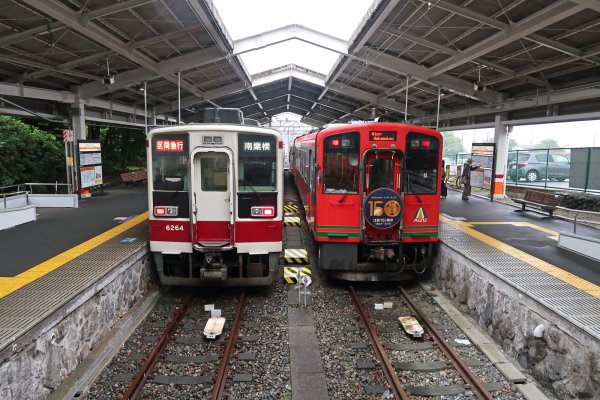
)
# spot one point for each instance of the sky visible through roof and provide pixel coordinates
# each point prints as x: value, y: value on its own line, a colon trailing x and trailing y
x: 338, y: 18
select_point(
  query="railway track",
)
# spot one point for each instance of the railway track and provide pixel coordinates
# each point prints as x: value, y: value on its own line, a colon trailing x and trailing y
x: 432, y: 366
x: 174, y: 367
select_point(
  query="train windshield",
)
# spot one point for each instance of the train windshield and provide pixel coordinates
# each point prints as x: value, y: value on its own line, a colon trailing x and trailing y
x: 422, y: 158
x: 257, y: 163
x: 170, y: 162
x: 340, y: 163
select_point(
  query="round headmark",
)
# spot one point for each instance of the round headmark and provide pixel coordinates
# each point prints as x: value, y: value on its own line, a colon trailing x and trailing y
x: 383, y: 208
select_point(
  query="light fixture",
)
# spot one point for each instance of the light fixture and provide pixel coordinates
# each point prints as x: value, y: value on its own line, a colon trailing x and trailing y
x: 108, y: 79
x: 140, y: 87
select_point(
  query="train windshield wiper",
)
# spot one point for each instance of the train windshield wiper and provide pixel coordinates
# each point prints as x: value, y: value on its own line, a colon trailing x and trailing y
x: 247, y: 183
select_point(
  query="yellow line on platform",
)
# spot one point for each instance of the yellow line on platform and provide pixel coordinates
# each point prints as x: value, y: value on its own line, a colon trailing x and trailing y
x: 557, y: 272
x: 553, y: 234
x: 10, y: 284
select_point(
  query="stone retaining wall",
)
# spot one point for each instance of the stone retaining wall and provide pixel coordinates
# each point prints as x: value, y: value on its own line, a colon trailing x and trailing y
x: 38, y: 362
x: 565, y: 359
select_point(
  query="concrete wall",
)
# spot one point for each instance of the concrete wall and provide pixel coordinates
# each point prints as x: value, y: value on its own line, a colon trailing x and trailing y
x: 16, y: 216
x: 38, y: 362
x: 565, y: 359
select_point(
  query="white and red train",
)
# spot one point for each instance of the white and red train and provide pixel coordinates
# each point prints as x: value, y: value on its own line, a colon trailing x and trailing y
x: 215, y: 195
x: 371, y: 193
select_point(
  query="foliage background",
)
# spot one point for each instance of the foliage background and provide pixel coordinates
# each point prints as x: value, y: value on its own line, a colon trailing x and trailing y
x: 33, y: 151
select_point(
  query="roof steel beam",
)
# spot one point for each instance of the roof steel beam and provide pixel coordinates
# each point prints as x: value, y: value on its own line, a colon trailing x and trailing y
x: 372, y: 99
x: 534, y: 37
x: 286, y: 33
x: 591, y: 4
x: 163, y: 68
x: 386, y: 61
x: 556, y: 97
x: 87, y: 16
x: 67, y: 16
x: 17, y: 37
x: 208, y: 95
x: 453, y: 52
x: 529, y: 25
x: 64, y: 97
x: 287, y: 72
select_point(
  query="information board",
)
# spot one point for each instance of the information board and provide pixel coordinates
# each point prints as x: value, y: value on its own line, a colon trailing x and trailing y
x: 90, y: 163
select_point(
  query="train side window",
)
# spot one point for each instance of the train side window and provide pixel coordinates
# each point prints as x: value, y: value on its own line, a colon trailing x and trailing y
x: 340, y: 163
x: 422, y: 158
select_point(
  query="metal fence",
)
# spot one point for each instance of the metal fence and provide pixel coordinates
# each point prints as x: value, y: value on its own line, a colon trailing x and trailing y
x: 574, y: 169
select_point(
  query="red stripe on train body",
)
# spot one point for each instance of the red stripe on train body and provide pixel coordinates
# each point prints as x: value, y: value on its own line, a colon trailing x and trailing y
x: 371, y: 192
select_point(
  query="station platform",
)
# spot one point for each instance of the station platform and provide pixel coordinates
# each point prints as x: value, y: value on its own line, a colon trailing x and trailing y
x: 65, y: 252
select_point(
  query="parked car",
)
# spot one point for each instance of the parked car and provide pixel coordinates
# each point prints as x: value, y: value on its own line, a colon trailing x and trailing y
x: 533, y: 166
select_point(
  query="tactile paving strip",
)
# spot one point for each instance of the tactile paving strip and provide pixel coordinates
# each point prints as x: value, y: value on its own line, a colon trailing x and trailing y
x: 23, y: 309
x: 578, y: 307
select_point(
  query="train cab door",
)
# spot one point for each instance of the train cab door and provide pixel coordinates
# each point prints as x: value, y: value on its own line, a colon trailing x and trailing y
x: 383, y: 195
x: 212, y: 202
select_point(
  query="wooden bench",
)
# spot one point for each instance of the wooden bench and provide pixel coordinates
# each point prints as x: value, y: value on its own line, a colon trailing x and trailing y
x: 544, y: 201
x: 134, y: 177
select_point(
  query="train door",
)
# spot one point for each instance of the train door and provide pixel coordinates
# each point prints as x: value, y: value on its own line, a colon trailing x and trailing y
x: 382, y: 197
x: 212, y: 200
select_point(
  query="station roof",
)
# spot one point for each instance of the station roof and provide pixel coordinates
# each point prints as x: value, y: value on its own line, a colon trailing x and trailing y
x: 531, y: 61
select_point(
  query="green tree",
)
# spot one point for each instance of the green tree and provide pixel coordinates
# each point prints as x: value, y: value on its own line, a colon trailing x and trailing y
x: 28, y: 154
x: 512, y: 143
x: 546, y: 144
x: 123, y: 149
x: 452, y: 144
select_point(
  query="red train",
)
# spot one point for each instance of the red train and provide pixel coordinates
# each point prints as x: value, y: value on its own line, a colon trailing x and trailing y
x: 371, y: 192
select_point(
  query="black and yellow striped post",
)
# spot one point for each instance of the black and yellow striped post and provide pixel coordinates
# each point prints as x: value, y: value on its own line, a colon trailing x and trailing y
x: 292, y: 274
x: 296, y: 256
x: 291, y: 221
x: 290, y: 208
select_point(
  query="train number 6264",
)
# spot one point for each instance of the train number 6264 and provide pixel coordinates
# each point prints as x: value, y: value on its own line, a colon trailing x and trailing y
x: 174, y: 227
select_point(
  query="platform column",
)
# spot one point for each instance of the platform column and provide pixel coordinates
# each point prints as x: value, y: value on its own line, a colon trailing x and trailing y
x: 78, y: 121
x: 501, y: 132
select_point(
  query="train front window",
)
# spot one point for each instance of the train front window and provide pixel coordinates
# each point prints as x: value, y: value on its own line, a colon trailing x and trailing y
x: 170, y: 162
x: 257, y: 171
x: 340, y: 163
x: 422, y: 158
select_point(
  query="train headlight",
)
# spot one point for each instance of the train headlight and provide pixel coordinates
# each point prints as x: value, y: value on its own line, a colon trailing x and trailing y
x: 166, y: 211
x: 262, y: 212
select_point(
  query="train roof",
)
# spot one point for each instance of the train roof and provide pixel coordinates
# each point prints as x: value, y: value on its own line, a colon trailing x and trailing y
x: 223, y: 127
x: 335, y: 128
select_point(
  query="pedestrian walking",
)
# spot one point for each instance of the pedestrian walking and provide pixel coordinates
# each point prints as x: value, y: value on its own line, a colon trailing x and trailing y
x: 466, y: 178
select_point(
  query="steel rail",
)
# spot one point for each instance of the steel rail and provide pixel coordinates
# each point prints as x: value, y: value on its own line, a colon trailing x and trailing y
x: 222, y: 376
x: 138, y: 381
x: 465, y: 372
x: 387, y: 366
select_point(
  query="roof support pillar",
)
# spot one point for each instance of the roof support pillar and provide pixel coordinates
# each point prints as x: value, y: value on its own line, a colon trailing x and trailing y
x: 501, y: 134
x: 78, y: 120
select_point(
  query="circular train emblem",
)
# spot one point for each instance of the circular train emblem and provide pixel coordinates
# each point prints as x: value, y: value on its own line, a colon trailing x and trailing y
x: 383, y: 208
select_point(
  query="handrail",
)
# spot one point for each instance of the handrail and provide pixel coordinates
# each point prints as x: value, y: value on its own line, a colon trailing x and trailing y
x: 577, y: 212
x: 21, y: 192
x: 31, y: 185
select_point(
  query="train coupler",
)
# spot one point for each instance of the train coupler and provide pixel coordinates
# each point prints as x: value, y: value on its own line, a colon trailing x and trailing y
x: 213, y: 267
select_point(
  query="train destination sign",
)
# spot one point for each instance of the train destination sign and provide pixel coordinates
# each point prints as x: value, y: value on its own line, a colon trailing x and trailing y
x: 169, y: 145
x: 380, y: 136
x: 383, y: 208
